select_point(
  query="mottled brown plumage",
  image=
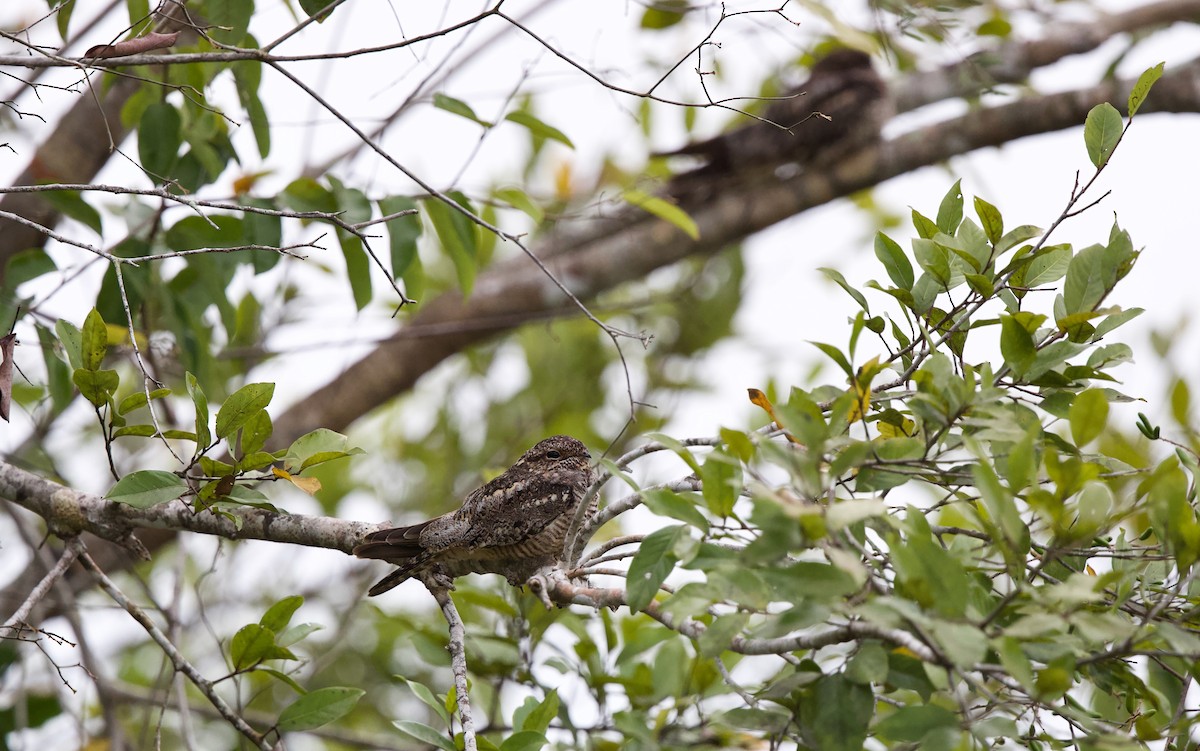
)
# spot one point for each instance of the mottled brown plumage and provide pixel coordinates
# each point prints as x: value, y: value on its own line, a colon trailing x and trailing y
x: 839, y: 109
x: 513, y: 525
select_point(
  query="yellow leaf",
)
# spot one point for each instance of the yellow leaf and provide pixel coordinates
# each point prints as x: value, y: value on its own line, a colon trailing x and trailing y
x: 759, y: 399
x: 562, y: 181
x: 120, y: 335
x: 862, y: 403
x: 309, y: 485
x: 245, y: 183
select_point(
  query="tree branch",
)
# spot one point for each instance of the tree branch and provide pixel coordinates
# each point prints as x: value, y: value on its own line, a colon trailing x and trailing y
x: 458, y: 659
x: 69, y: 512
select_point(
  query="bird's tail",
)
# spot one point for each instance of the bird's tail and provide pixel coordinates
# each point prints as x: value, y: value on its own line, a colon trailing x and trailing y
x: 398, y: 545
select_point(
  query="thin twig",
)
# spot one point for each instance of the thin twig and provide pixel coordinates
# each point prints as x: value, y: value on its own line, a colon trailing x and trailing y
x: 17, y: 620
x: 177, y: 659
x: 458, y: 659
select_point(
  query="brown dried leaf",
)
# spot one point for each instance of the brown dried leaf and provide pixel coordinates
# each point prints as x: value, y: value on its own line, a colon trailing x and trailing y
x: 6, y: 374
x: 152, y: 41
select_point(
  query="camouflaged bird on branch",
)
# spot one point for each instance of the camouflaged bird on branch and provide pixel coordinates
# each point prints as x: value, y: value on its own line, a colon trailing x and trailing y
x: 513, y: 525
x: 840, y: 109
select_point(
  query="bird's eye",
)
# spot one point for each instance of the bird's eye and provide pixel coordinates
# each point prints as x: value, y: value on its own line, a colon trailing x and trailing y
x: 554, y: 454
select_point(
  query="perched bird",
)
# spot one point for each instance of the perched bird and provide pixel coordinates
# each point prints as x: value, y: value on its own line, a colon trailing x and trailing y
x: 840, y: 108
x: 513, y: 525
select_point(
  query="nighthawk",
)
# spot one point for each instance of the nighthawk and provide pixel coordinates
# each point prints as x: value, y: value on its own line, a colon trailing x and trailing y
x: 839, y: 109
x: 513, y: 525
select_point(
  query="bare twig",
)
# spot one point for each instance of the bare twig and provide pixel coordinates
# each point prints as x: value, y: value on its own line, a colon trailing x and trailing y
x: 458, y: 659
x: 181, y: 664
x: 17, y: 619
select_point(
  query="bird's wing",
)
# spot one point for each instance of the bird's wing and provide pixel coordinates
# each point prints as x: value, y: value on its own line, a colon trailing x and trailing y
x: 396, y: 544
x: 511, y: 519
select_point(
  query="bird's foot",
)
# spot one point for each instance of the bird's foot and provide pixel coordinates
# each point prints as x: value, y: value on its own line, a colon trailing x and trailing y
x: 436, y: 577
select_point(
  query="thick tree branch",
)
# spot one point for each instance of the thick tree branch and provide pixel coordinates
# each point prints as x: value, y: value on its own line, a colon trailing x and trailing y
x: 1013, y: 62
x: 69, y: 512
x: 628, y: 246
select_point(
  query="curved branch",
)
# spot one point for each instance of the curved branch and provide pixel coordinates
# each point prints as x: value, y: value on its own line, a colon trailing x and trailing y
x: 68, y: 512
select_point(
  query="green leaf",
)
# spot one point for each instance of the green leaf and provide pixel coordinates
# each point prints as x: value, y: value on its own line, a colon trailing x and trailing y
x: 1016, y: 345
x: 891, y: 255
x: 1101, y: 132
x: 525, y: 740
x: 283, y: 678
x: 664, y: 14
x: 538, y: 128
x: 721, y: 478
x: 869, y: 664
x: 241, y: 406
x: 306, y: 194
x: 71, y: 204
x: 97, y: 386
x: 458, y: 107
x: 251, y: 645
x: 140, y: 431
x: 321, y: 445
x: 520, y: 200
x: 950, y: 212
x: 428, y: 698
x: 1088, y: 416
x: 1142, y: 87
x: 835, y: 713
x: 314, y: 7
x: 203, y: 436
x: 72, y: 341
x: 1017, y: 236
x: 1049, y: 265
x: 458, y: 237
x: 673, y: 505
x: 255, y: 433
x: 280, y: 614
x: 934, y: 259
x: 540, y: 717
x: 146, y: 488
x: 403, y: 232
x: 424, y: 734
x: 159, y: 139
x: 990, y: 218
x: 318, y: 708
x: 63, y: 16
x: 668, y: 212
x: 835, y: 354
x: 1091, y: 275
x: 655, y: 559
x: 299, y: 632
x: 137, y: 400
x: 94, y: 341
x: 926, y: 227
x: 837, y: 277
x: 358, y: 269
x: 912, y: 723
x: 247, y: 75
